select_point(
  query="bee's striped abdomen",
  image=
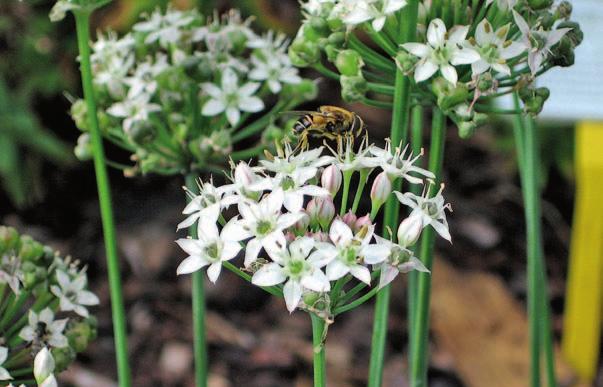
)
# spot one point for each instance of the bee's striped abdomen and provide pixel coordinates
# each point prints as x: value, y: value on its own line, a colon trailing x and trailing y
x: 303, y: 123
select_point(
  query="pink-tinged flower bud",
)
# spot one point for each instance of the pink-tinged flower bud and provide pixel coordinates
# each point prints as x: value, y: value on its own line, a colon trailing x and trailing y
x: 350, y: 219
x: 382, y: 187
x: 410, y: 230
x: 331, y: 179
x: 243, y: 174
x: 301, y: 225
x: 289, y: 236
x: 318, y: 236
x: 361, y: 222
x: 322, y: 210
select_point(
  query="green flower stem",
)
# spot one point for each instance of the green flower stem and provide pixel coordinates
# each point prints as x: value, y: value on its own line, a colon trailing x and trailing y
x: 416, y: 144
x: 14, y: 307
x: 420, y: 333
x: 373, y: 58
x: 82, y: 20
x: 198, y: 305
x: 489, y: 109
x: 378, y: 104
x: 347, y: 177
x: 320, y: 366
x: 193, y: 95
x: 21, y: 372
x: 364, y: 174
x: 339, y: 284
x: 356, y: 289
x: 382, y: 41
x: 539, y: 315
x: 21, y: 358
x: 380, y: 88
x: 324, y: 70
x: 357, y: 302
x: 399, y: 131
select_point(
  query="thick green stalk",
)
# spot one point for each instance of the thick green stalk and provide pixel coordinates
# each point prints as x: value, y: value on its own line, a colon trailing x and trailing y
x: 539, y: 316
x: 420, y: 334
x: 198, y: 304
x: 416, y: 143
x: 399, y: 131
x: 318, y: 346
x: 104, y: 196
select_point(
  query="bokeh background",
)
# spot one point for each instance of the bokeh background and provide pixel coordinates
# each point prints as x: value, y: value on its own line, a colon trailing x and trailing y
x: 478, y: 323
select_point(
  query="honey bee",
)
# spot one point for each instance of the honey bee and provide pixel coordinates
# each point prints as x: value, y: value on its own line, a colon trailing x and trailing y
x: 329, y: 122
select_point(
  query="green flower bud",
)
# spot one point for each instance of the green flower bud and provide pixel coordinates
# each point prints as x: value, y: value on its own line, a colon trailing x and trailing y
x: 575, y: 35
x: 151, y: 162
x: 564, y: 10
x: 449, y: 95
x: 320, y: 26
x: 547, y: 20
x: 33, y: 274
x: 83, y: 149
x: 337, y: 38
x: 405, y: 61
x: 349, y: 62
x: 306, y: 90
x: 9, y: 239
x: 539, y: 4
x: 62, y: 358
x: 563, y: 53
x: 352, y: 88
x: 217, y: 143
x: 304, y: 53
x: 30, y: 249
x: 534, y: 99
x: 238, y: 40
x: 79, y: 335
x: 332, y: 51
x: 485, y: 82
x: 311, y: 34
x: 142, y: 132
x: 78, y: 114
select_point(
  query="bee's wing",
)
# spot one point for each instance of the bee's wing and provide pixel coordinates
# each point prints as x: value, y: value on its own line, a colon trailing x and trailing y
x: 302, y: 113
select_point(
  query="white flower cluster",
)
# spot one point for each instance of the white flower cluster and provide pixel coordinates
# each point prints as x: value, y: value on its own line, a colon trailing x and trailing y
x: 353, y: 12
x: 285, y: 225
x: 143, y: 71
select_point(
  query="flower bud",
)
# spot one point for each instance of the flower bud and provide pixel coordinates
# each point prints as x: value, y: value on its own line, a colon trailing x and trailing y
x: 563, y: 53
x: 575, y: 35
x: 332, y: 51
x: 9, y: 239
x: 534, y: 99
x: 405, y: 61
x: 79, y: 335
x: 564, y: 9
x: 304, y: 53
x: 83, y: 149
x: 43, y: 366
x: 331, y: 179
x: 219, y: 142
x: 382, y: 187
x: 79, y: 114
x: 410, y: 230
x: 363, y: 221
x: 353, y: 88
x: 321, y: 211
x: 349, y: 218
x: 142, y: 132
x: 30, y: 249
x: 336, y: 38
x: 62, y: 358
x: 349, y: 62
x: 539, y: 4
x: 301, y: 226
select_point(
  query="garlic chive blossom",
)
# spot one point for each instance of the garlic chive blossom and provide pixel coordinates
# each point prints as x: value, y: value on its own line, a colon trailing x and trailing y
x: 443, y: 51
x: 494, y: 48
x: 44, y: 327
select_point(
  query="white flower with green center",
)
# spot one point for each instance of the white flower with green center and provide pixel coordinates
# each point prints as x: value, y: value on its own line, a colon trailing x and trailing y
x: 243, y: 180
x: 206, y: 206
x: 398, y: 163
x: 302, y: 164
x: 349, y: 159
x: 43, y: 325
x: 348, y: 252
x: 432, y: 210
x: 134, y: 111
x: 4, y: 375
x: 72, y: 293
x: 443, y: 51
x: 210, y: 249
x: 375, y: 11
x: 144, y: 80
x: 230, y: 98
x: 494, y: 48
x: 271, y: 62
x: 292, y: 265
x: 263, y: 222
x: 10, y: 272
x: 538, y: 42
x: 166, y: 29
x: 399, y: 260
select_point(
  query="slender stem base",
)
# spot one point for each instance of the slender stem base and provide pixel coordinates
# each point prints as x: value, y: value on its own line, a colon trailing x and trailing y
x: 420, y: 333
x: 318, y: 345
x: 104, y: 196
x: 198, y: 306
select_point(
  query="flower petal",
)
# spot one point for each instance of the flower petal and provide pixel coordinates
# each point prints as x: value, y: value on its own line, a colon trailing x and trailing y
x: 191, y: 264
x: 269, y: 275
x: 424, y: 70
x: 292, y: 291
x: 362, y: 273
x: 213, y: 271
x: 336, y: 269
x: 436, y: 33
x: 449, y: 73
x: 251, y: 251
x: 316, y: 281
x: 417, y: 49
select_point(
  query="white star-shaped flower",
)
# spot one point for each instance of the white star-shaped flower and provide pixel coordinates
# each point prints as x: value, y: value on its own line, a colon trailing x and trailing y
x: 43, y: 324
x: 494, y: 48
x: 72, y: 293
x: 399, y: 260
x: 375, y: 11
x: 210, y: 249
x: 443, y: 51
x: 231, y: 98
x: 206, y: 206
x: 292, y: 265
x: 397, y: 163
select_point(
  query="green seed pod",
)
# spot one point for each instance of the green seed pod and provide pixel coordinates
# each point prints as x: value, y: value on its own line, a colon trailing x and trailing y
x: 337, y: 38
x: 353, y: 88
x: 405, y: 61
x: 311, y: 34
x: 83, y: 149
x: 336, y: 24
x: 534, y: 99
x: 564, y: 10
x: 30, y: 249
x: 304, y: 53
x: 79, y: 335
x: 547, y: 20
x: 485, y: 82
x: 349, y: 62
x: 540, y: 4
x: 466, y: 129
x: 9, y: 239
x: 320, y: 26
x: 563, y: 53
